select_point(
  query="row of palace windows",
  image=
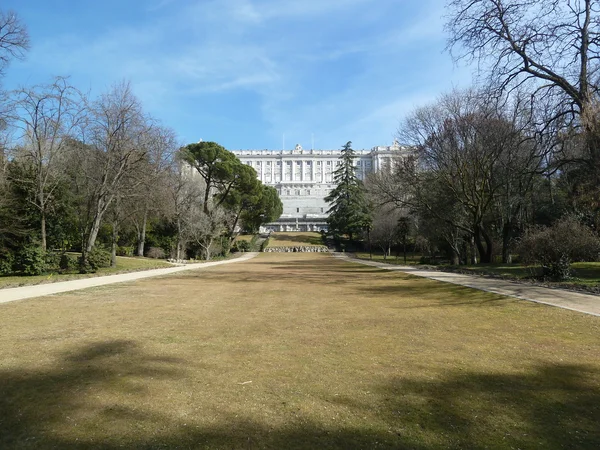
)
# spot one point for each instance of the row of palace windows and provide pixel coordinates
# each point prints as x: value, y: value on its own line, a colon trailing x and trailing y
x: 301, y: 192
x: 298, y: 210
x: 307, y: 163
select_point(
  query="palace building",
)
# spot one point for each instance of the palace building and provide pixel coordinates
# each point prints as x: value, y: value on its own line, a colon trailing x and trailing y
x: 303, y: 178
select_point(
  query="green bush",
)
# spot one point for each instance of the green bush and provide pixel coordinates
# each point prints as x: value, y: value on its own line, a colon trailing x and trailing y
x: 67, y: 263
x: 7, y: 260
x: 125, y: 251
x: 241, y: 246
x: 31, y: 260
x: 52, y: 260
x: 98, y: 258
x: 84, y: 266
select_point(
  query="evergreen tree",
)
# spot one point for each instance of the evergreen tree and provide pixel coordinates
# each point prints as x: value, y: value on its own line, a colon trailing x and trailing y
x: 349, y: 213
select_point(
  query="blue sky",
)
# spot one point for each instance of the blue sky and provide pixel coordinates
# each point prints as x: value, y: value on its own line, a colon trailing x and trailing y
x: 245, y: 72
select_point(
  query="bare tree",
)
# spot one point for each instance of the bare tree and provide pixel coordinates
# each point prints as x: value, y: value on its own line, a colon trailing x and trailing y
x: 46, y: 116
x: 11, y: 225
x: 384, y: 229
x: 113, y: 136
x: 550, y: 47
x: 14, y: 39
x: 204, y: 229
x: 470, y: 157
x: 152, y: 187
x: 185, y: 195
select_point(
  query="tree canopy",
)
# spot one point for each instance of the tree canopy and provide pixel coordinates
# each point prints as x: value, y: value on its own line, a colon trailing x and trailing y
x: 349, y: 213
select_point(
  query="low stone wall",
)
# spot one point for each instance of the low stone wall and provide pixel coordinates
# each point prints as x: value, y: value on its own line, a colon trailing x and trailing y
x: 298, y: 249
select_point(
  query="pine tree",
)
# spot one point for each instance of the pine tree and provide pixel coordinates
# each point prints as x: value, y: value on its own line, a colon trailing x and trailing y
x: 349, y: 213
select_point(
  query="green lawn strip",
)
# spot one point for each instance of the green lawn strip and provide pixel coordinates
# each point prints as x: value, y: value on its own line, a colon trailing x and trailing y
x: 124, y: 265
x: 586, y: 274
x: 296, y: 351
x: 411, y: 258
x: 294, y: 239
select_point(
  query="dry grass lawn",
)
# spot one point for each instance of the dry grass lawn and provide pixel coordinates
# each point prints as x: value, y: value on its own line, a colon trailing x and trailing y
x: 296, y: 351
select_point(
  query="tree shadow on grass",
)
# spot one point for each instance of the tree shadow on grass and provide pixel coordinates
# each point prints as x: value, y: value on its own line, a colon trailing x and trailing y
x: 552, y: 406
x: 433, y: 294
x: 32, y: 402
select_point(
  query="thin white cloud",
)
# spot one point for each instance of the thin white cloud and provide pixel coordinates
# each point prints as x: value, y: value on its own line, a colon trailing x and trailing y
x: 279, y: 51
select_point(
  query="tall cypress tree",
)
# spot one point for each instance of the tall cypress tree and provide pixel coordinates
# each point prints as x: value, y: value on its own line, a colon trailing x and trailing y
x: 349, y: 212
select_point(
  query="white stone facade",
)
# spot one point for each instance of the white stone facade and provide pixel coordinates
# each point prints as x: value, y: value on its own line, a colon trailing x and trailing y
x: 303, y: 178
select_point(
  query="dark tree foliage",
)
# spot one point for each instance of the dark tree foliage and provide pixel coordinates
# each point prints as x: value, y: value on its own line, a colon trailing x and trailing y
x: 218, y: 167
x: 233, y: 186
x: 265, y: 207
x: 349, y: 212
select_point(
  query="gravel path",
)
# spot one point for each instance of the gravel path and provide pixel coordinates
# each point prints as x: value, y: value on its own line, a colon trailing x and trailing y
x: 39, y: 290
x: 575, y: 301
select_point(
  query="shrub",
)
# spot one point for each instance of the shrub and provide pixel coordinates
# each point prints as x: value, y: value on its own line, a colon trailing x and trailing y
x: 31, y: 260
x: 7, y: 259
x: 84, y: 266
x: 125, y: 251
x: 242, y: 246
x: 99, y: 257
x: 66, y: 263
x: 225, y: 246
x: 156, y: 253
x: 555, y: 248
x: 52, y: 260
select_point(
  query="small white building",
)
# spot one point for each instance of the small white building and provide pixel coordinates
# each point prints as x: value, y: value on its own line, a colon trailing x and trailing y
x: 303, y: 178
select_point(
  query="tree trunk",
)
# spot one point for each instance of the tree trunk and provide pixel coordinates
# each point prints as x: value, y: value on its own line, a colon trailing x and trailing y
x: 178, y: 250
x: 232, y: 234
x: 91, y: 241
x: 142, y: 234
x: 113, y: 248
x: 207, y: 251
x: 485, y: 251
x: 179, y: 243
x: 506, y: 241
x: 473, y: 251
x: 43, y: 230
x: 455, y: 257
x: 100, y: 208
x: 489, y: 253
x: 382, y: 247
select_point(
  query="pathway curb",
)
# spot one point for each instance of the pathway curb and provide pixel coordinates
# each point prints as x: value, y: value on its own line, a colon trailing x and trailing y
x: 574, y: 301
x: 39, y: 290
